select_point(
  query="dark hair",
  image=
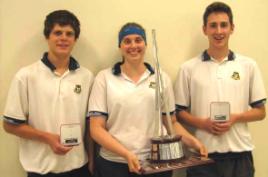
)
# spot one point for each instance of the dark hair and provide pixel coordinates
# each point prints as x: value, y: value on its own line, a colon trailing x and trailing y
x: 217, y: 7
x: 131, y: 28
x: 63, y: 18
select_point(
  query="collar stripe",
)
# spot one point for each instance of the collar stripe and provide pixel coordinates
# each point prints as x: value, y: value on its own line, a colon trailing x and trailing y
x: 206, y: 57
x: 73, y: 64
x: 117, y: 70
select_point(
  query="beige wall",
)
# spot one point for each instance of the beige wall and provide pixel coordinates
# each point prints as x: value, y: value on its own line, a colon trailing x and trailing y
x: 179, y: 36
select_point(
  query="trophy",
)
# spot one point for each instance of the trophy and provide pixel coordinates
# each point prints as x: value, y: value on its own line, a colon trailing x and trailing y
x: 166, y: 149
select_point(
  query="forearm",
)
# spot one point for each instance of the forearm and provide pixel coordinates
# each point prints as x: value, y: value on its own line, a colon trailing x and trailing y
x: 189, y: 119
x: 187, y: 138
x: 90, y: 151
x: 90, y: 147
x: 254, y: 114
x: 102, y: 137
x: 26, y: 131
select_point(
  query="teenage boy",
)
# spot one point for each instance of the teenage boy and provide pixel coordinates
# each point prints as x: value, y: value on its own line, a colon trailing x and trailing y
x: 221, y: 77
x: 47, y: 105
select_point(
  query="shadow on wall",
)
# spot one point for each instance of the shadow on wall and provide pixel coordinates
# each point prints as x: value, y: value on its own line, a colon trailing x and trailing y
x: 90, y: 57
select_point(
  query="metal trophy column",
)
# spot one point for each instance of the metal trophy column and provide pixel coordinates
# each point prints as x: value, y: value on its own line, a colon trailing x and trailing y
x: 165, y: 148
x: 159, y: 93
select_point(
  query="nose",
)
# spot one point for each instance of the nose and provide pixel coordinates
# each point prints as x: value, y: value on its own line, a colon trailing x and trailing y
x: 63, y: 36
x: 133, y: 44
x: 219, y: 29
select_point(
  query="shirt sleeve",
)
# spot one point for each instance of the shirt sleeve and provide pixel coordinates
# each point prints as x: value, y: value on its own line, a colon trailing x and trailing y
x: 17, y: 106
x: 182, y: 90
x: 168, y: 95
x: 91, y: 81
x: 257, y: 95
x: 98, y: 97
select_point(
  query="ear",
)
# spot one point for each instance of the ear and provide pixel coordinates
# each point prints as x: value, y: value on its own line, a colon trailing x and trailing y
x: 204, y: 30
x: 232, y: 28
x: 47, y: 37
x: 120, y: 50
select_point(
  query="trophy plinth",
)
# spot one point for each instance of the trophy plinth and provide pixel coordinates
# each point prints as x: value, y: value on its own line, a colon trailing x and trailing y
x: 166, y: 149
x: 150, y: 168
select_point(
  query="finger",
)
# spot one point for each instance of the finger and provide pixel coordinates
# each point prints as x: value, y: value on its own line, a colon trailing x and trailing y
x: 131, y: 167
x: 58, y: 152
x: 65, y: 149
x: 136, y: 170
x: 137, y: 166
x: 223, y: 125
x: 134, y: 167
x: 215, y: 131
x: 220, y: 128
x: 203, y: 152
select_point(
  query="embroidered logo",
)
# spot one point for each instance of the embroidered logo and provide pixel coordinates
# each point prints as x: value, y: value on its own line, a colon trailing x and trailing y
x: 236, y: 76
x: 152, y: 85
x: 77, y: 88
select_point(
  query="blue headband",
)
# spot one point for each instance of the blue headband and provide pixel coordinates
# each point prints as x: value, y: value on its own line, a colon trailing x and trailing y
x: 131, y: 30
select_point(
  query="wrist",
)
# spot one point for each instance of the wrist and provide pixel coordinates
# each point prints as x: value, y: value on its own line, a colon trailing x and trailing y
x: 202, y: 124
x: 125, y: 154
x: 45, y: 137
x: 237, y: 118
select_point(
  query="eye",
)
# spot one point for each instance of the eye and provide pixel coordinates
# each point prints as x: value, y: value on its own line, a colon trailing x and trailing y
x: 70, y: 33
x: 139, y: 40
x: 127, y: 41
x: 213, y: 25
x: 224, y: 24
x: 57, y: 33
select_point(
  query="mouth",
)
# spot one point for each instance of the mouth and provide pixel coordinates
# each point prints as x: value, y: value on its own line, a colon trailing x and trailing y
x: 63, y: 46
x: 134, y: 52
x: 218, y: 38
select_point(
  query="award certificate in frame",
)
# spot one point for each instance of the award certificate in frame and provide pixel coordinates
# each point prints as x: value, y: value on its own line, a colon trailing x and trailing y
x: 70, y: 134
x: 220, y: 111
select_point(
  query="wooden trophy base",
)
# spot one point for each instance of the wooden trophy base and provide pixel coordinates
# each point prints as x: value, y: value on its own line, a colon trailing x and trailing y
x: 167, y: 154
x: 149, y: 167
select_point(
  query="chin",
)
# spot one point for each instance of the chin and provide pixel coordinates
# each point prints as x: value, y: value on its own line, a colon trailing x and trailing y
x: 63, y: 53
x: 219, y: 45
x: 134, y: 57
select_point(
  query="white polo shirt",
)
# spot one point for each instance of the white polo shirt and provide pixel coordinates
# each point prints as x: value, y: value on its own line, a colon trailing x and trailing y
x: 45, y: 101
x: 236, y: 80
x: 129, y: 108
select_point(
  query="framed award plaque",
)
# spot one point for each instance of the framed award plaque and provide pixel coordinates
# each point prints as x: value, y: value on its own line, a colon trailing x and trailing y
x: 70, y: 134
x: 220, y: 111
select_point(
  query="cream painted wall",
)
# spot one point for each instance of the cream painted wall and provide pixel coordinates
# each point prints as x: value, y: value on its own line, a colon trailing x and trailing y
x: 179, y: 36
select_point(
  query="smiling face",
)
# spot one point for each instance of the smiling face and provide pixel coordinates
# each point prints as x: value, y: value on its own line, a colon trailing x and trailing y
x: 133, y: 48
x: 61, y: 40
x: 218, y: 30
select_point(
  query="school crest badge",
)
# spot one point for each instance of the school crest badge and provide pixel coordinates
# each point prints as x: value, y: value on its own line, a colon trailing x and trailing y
x: 235, y: 75
x: 77, y: 88
x: 152, y: 85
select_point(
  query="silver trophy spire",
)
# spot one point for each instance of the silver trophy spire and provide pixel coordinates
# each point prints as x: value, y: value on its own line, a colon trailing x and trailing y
x: 161, y: 98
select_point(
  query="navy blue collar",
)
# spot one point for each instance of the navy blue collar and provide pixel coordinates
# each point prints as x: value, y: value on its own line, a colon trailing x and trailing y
x: 117, y: 70
x: 73, y: 64
x: 206, y: 57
